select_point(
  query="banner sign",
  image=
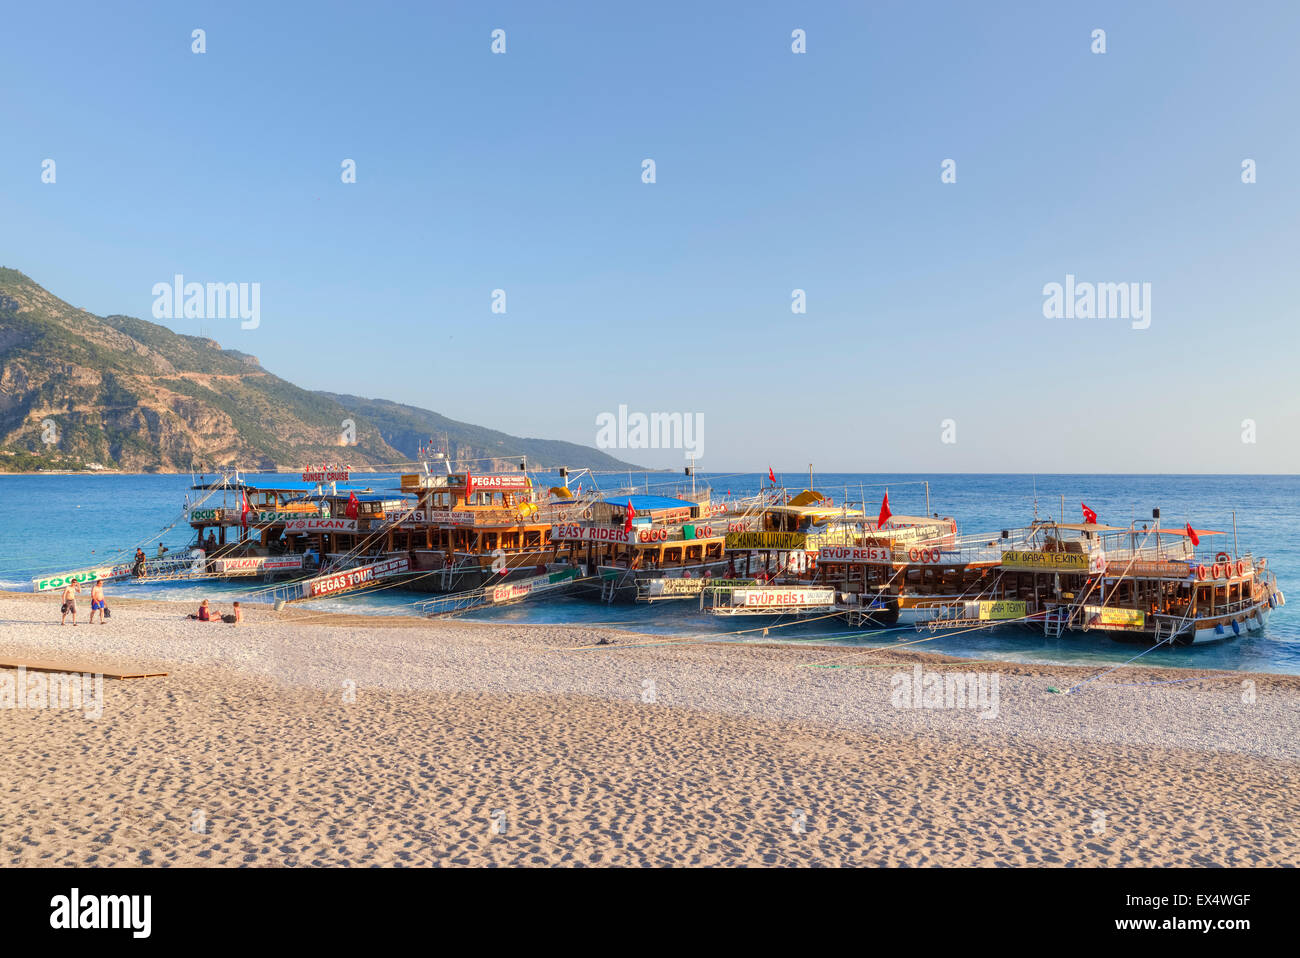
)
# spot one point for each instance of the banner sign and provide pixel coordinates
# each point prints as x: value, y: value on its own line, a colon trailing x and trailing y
x: 251, y: 565
x: 354, y: 578
x: 784, y: 541
x: 1000, y: 610
x: 1170, y: 568
x: 1054, y: 561
x: 328, y: 474
x: 573, y: 532
x: 676, y: 586
x: 856, y: 555
x: 267, y: 516
x: 206, y: 515
x: 1103, y: 617
x: 449, y: 517
x: 321, y: 525
x: 782, y: 598
x: 104, y: 573
x: 517, y: 590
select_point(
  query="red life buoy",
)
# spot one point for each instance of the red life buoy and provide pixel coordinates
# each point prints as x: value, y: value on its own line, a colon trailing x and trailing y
x: 1241, y: 567
x: 1222, y: 557
x: 1200, y: 573
x: 913, y: 555
x: 1218, y: 571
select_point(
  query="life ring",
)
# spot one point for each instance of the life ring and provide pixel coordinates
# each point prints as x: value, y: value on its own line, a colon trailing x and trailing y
x: 586, y: 514
x: 1241, y: 567
x: 914, y: 555
x: 1222, y: 557
x: 1218, y: 571
x: 1200, y: 573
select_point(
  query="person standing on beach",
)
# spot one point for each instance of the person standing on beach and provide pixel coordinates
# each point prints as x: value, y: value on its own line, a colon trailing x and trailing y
x: 96, y: 602
x: 70, y: 601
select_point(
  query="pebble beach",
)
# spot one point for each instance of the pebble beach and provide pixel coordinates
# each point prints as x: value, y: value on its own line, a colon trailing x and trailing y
x: 315, y: 739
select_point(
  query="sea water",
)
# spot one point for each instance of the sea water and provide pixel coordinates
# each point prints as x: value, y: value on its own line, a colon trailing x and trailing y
x: 55, y: 523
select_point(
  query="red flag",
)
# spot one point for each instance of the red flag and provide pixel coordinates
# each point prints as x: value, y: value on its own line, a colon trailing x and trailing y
x: 469, y: 486
x: 243, y: 509
x: 1196, y: 540
x: 627, y: 522
x: 351, y: 510
x: 884, y: 511
x: 1088, y: 515
x: 771, y: 476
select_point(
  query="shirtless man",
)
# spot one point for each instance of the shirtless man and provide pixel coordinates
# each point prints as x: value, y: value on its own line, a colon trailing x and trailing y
x: 70, y: 601
x: 96, y: 602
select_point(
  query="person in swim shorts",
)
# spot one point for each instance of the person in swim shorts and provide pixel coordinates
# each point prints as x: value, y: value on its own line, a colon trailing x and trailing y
x: 70, y: 601
x: 97, y: 602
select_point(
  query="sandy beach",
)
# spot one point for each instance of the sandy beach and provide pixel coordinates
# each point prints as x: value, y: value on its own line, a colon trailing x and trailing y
x: 314, y: 739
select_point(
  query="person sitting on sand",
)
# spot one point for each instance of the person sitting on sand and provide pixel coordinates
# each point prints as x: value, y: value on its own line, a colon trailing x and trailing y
x: 70, y: 601
x: 235, y: 617
x: 97, y: 602
x: 205, y: 614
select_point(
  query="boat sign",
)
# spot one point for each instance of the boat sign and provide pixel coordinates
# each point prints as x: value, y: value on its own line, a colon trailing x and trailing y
x: 1054, y: 561
x: 783, y: 598
x: 856, y: 555
x: 321, y: 525
x: 783, y: 541
x: 251, y: 565
x: 993, y: 610
x: 573, y: 532
x: 354, y: 578
x: 104, y: 573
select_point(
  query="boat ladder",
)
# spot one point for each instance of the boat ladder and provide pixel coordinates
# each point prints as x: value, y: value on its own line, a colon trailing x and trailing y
x: 1056, y: 621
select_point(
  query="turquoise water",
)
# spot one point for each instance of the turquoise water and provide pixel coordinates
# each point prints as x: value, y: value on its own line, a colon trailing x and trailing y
x: 59, y: 523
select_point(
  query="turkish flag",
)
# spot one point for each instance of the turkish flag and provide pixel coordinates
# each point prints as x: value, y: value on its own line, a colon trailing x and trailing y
x: 351, y: 510
x: 627, y: 522
x: 1196, y: 540
x: 884, y: 511
x: 771, y: 476
x: 1088, y: 515
x: 243, y: 509
x: 469, y: 486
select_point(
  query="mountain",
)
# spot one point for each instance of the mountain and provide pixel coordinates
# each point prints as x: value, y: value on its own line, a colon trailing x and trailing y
x: 78, y: 389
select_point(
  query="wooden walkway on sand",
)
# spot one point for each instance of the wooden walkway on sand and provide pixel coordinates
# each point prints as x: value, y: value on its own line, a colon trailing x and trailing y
x: 83, y: 669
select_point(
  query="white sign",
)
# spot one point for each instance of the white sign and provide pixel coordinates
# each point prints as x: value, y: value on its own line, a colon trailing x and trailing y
x: 321, y: 525
x: 353, y: 578
x: 856, y: 555
x: 249, y: 565
x: 572, y: 532
x: 783, y: 598
x: 452, y: 516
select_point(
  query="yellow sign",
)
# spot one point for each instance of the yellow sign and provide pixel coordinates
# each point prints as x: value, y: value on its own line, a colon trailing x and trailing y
x: 1046, y: 561
x: 1124, y: 618
x: 1000, y: 610
x: 767, y: 540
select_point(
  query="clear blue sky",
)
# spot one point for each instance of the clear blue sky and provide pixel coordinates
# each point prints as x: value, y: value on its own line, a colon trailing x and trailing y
x: 775, y: 171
